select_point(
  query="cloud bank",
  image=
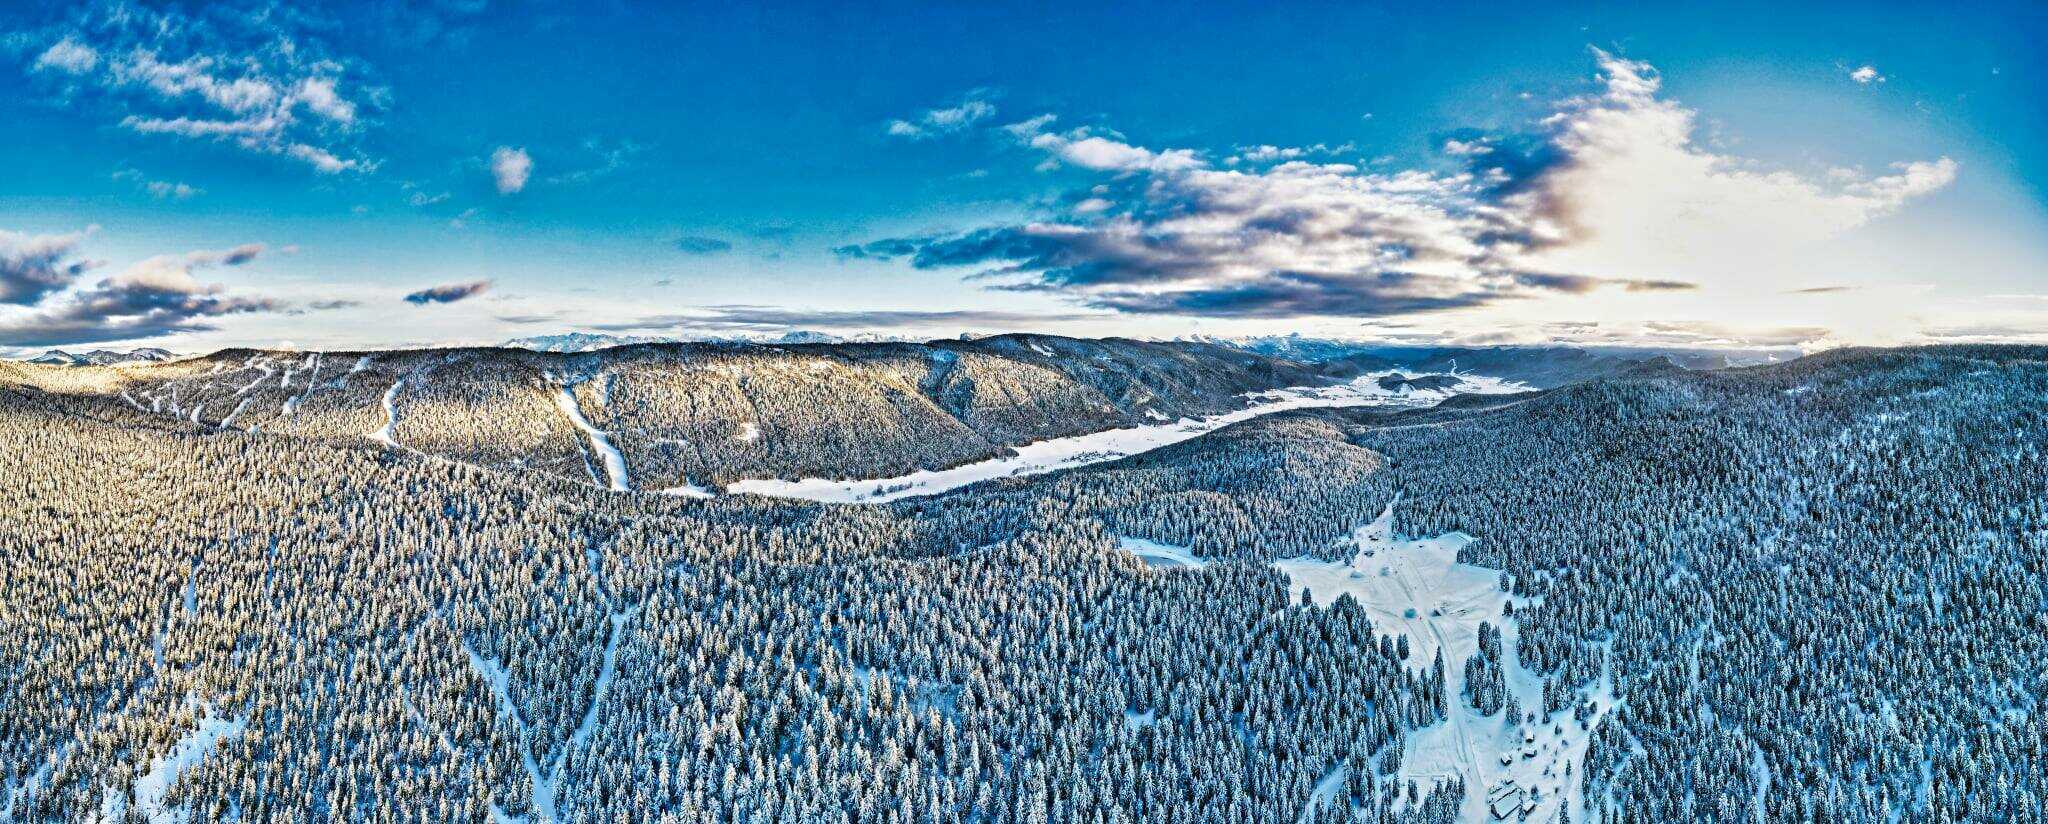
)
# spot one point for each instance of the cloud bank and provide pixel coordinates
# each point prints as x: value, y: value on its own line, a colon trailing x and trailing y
x: 753, y: 318
x: 1611, y: 192
x: 153, y: 297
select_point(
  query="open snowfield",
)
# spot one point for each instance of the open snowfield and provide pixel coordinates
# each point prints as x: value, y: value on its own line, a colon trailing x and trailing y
x: 1417, y: 588
x: 1111, y: 444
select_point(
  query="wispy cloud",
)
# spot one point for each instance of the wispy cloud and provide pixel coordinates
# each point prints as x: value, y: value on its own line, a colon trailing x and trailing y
x: 159, y: 189
x: 944, y: 121
x: 611, y: 159
x: 1866, y: 75
x: 261, y: 85
x: 701, y: 245
x: 448, y: 292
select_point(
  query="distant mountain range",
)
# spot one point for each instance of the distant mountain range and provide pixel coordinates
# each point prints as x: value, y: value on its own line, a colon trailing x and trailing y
x: 1541, y: 366
x: 103, y: 357
x: 591, y: 342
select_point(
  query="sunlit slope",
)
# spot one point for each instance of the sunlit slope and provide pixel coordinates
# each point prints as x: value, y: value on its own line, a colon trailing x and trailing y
x: 683, y: 413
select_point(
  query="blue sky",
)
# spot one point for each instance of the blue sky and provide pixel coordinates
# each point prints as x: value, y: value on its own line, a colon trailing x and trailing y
x: 353, y: 175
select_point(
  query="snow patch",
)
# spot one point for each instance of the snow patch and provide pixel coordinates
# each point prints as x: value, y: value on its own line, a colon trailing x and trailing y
x: 687, y: 490
x: 230, y: 419
x: 1111, y: 444
x: 750, y: 432
x: 386, y: 435
x: 1163, y: 556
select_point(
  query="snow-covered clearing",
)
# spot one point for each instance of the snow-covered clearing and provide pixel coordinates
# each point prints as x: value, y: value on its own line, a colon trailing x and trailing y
x: 1164, y: 556
x: 385, y: 435
x: 750, y: 432
x: 1418, y: 589
x: 687, y: 490
x: 164, y: 770
x: 1111, y: 444
x: 614, y: 462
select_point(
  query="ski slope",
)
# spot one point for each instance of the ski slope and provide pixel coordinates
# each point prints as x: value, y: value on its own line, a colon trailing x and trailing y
x: 614, y: 462
x: 1111, y: 444
x: 1419, y: 589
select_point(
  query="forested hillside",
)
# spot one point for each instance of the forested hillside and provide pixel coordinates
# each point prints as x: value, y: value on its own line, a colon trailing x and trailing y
x: 1810, y: 591
x: 682, y: 414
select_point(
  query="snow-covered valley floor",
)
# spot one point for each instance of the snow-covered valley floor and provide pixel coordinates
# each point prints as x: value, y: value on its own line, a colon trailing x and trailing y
x: 1417, y: 588
x: 1111, y: 444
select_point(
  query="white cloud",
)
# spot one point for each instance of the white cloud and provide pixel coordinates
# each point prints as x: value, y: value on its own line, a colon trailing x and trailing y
x: 153, y: 297
x: 164, y: 189
x: 1466, y: 148
x: 1635, y: 195
x: 68, y: 56
x: 1866, y: 75
x: 510, y: 168
x: 159, y: 189
x: 319, y: 96
x: 195, y: 76
x: 1611, y: 198
x: 1085, y: 148
x: 322, y: 160
x: 32, y: 266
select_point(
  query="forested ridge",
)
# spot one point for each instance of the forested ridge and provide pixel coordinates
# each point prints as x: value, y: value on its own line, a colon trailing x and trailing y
x: 1818, y: 589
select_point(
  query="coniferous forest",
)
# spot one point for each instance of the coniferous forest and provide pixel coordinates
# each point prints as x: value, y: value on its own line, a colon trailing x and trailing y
x: 1813, y: 591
